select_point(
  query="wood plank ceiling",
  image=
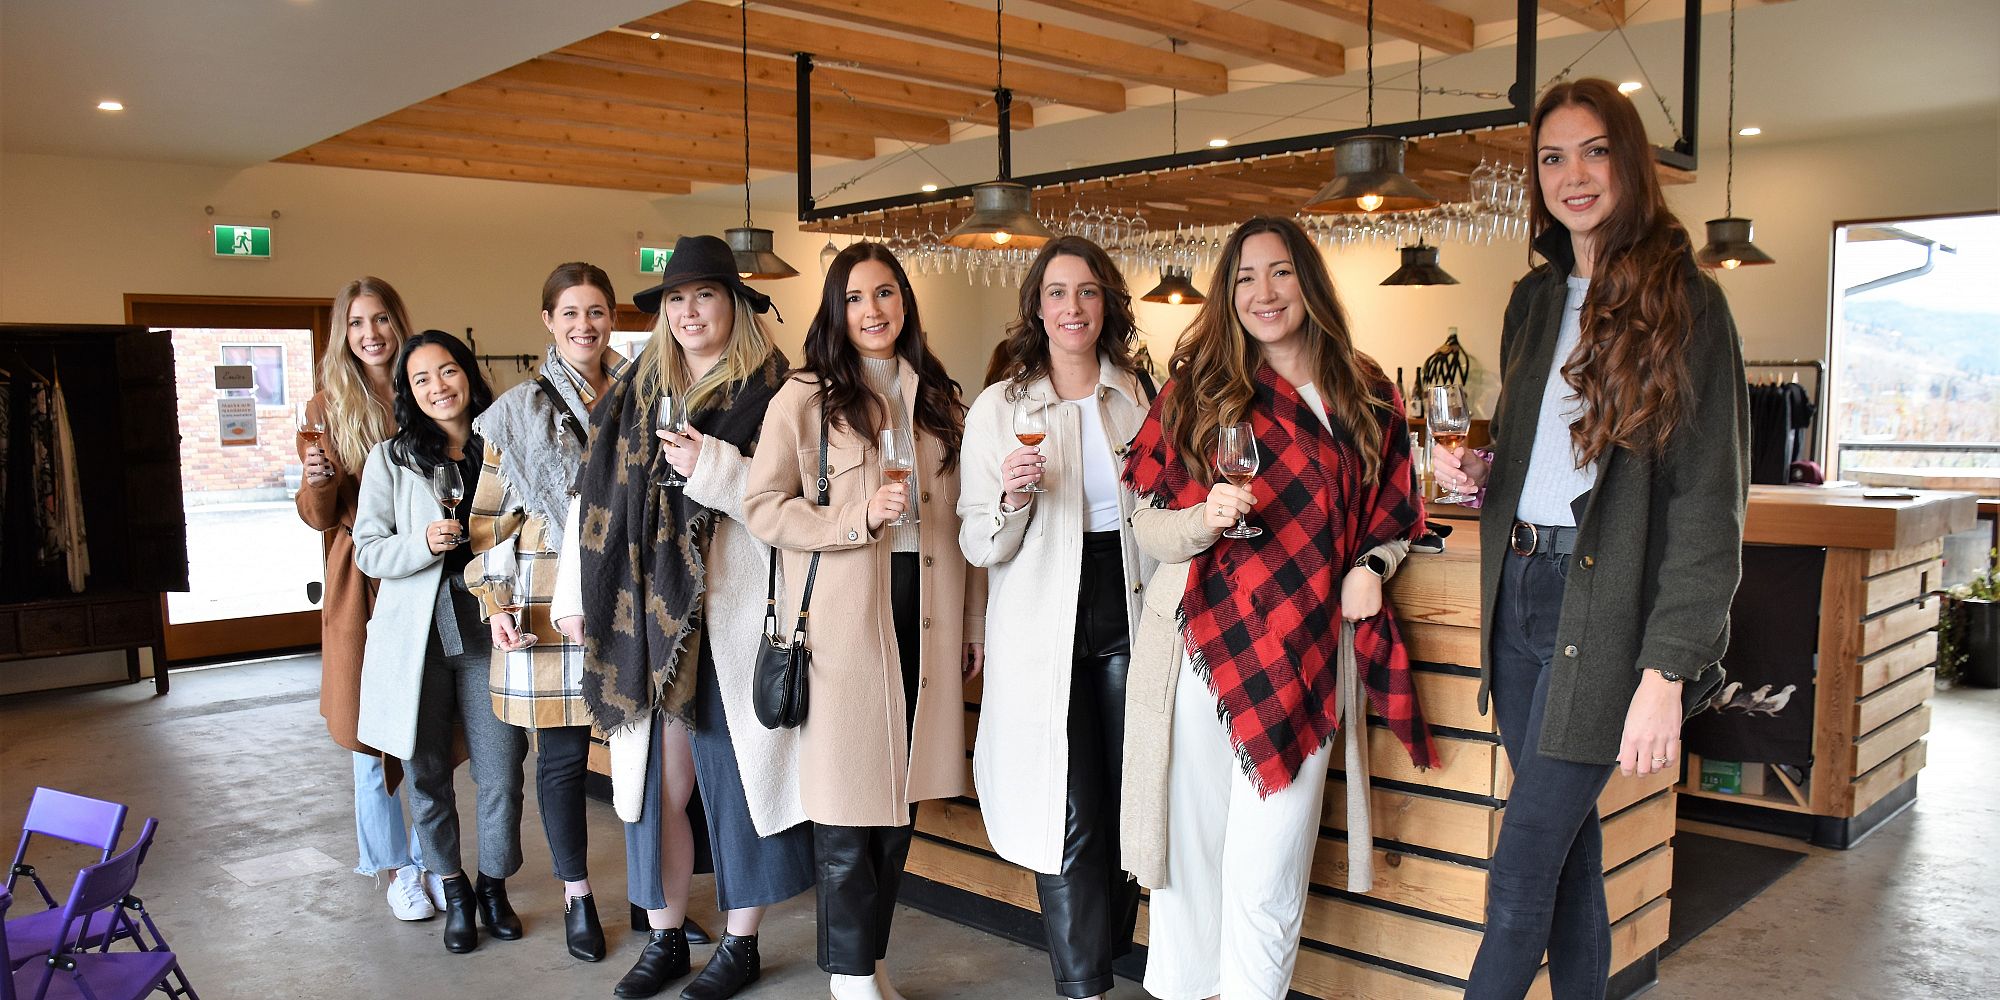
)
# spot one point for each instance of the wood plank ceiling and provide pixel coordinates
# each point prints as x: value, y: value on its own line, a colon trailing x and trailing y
x: 656, y: 105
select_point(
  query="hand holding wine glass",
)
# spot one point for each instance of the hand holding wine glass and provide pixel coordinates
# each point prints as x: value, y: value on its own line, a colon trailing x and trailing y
x: 898, y: 465
x: 672, y: 418
x: 1449, y: 421
x: 1237, y: 460
x: 1031, y: 427
x: 449, y: 489
x: 312, y: 431
x: 502, y: 565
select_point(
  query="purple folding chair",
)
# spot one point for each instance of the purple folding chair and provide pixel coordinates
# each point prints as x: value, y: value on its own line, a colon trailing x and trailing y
x: 6, y: 963
x: 71, y: 971
x: 79, y: 820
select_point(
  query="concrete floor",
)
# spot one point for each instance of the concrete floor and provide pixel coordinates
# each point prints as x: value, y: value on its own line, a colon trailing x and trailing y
x: 236, y: 765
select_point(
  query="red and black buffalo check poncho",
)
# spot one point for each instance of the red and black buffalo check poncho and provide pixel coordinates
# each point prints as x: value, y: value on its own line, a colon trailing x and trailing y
x: 1261, y: 616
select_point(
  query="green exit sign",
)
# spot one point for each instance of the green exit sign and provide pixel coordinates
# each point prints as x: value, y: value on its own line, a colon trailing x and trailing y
x: 243, y: 241
x: 653, y: 260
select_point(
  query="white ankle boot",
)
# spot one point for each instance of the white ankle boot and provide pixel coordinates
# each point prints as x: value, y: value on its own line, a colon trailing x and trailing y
x: 855, y: 988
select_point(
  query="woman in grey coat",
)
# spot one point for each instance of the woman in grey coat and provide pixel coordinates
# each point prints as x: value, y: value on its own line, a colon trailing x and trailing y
x: 427, y: 660
x: 1612, y: 526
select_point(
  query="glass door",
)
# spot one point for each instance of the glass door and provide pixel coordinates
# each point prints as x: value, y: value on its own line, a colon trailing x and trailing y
x: 255, y: 570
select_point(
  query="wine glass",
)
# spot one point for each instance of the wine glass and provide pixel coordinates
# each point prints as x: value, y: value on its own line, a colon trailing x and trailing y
x: 1031, y: 426
x: 501, y: 564
x: 449, y: 488
x: 897, y: 467
x: 1449, y: 421
x: 1236, y: 459
x: 672, y: 418
x: 311, y: 426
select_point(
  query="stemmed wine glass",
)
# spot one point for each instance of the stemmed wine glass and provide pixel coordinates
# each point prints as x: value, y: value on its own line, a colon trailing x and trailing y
x: 449, y: 488
x: 897, y: 466
x: 1237, y: 460
x: 502, y: 572
x: 311, y: 427
x: 1449, y: 421
x: 672, y: 418
x: 1031, y: 426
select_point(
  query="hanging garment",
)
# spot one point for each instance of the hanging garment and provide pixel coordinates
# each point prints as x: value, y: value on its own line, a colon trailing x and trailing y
x: 70, y: 535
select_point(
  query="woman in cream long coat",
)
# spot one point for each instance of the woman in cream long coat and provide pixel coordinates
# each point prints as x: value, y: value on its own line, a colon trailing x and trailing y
x: 1065, y: 580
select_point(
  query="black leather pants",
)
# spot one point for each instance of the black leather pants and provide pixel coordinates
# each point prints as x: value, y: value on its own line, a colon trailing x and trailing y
x: 861, y: 867
x: 1090, y: 908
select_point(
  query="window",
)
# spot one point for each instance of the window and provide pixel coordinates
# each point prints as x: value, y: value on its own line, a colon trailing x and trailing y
x: 268, y: 360
x: 1916, y: 381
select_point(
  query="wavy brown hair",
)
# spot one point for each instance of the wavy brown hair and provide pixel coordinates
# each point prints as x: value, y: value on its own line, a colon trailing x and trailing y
x: 843, y: 390
x: 1215, y: 362
x: 1026, y: 348
x: 1630, y: 367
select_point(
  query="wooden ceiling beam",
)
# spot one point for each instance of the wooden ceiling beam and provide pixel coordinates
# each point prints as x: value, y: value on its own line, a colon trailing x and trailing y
x: 399, y: 163
x: 550, y: 76
x: 1217, y: 28
x: 962, y: 24
x: 529, y: 105
x: 1427, y: 24
x: 391, y: 139
x: 871, y: 50
x: 1598, y: 15
x: 587, y: 138
x: 680, y: 60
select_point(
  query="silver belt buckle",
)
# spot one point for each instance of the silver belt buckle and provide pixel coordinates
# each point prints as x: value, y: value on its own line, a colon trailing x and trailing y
x: 1534, y: 539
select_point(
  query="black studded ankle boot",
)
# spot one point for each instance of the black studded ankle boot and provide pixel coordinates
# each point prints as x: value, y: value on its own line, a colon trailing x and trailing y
x: 495, y: 911
x: 732, y: 967
x: 664, y: 959
x: 461, y: 918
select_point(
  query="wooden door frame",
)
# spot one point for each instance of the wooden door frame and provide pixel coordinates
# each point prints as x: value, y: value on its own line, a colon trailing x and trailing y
x: 233, y: 637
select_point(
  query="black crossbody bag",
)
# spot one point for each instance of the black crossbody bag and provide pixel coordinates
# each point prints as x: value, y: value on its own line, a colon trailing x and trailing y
x: 778, y: 691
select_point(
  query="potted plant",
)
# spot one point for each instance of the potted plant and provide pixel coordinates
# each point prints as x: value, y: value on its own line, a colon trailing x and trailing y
x: 1969, y: 629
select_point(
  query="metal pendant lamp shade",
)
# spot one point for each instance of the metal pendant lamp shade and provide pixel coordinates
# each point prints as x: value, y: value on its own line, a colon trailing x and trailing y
x: 755, y: 258
x: 1368, y: 177
x: 1420, y: 267
x: 1729, y: 245
x: 1175, y: 288
x: 1003, y: 216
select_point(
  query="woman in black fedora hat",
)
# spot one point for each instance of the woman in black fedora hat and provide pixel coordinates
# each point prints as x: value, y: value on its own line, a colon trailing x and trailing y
x: 665, y: 588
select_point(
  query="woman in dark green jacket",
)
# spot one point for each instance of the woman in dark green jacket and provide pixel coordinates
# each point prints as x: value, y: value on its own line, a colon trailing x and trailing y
x: 1612, y: 526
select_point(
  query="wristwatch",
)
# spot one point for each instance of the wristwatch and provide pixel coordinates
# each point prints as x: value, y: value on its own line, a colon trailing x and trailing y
x: 1374, y: 564
x: 1670, y: 676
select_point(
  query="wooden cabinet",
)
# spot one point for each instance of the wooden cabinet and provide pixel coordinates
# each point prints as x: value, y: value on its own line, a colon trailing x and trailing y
x: 93, y: 623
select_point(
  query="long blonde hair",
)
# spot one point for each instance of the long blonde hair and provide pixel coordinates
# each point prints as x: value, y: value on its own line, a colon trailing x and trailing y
x: 355, y: 420
x: 662, y: 365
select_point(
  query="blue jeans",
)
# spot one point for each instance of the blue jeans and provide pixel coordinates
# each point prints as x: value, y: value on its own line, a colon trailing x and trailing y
x: 1545, y: 889
x: 378, y: 821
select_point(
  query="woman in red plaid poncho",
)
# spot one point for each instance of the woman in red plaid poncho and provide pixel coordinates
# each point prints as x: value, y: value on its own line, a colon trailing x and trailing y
x: 1277, y: 635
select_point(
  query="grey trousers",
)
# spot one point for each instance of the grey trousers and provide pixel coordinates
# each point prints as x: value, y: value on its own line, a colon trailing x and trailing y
x: 456, y: 689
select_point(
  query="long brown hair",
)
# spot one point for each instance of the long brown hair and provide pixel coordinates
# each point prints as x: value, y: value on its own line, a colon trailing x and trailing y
x: 834, y: 360
x: 1630, y: 367
x: 1215, y: 362
x: 1026, y: 348
x: 355, y: 419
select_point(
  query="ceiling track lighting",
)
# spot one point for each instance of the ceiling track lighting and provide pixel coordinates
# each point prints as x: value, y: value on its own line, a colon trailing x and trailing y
x: 1003, y: 212
x: 1368, y: 169
x: 1729, y: 238
x: 756, y: 255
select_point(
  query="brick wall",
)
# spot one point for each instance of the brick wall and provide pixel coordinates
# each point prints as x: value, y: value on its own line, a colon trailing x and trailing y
x: 207, y: 466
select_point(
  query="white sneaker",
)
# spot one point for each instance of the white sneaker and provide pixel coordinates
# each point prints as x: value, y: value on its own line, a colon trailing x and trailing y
x: 434, y: 887
x: 406, y: 896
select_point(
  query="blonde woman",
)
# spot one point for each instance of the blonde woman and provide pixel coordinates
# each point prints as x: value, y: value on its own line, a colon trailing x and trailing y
x: 673, y: 693
x: 354, y: 406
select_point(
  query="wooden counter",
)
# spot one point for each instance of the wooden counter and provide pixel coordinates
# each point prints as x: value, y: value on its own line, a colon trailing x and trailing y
x: 1414, y: 936
x: 1876, y: 658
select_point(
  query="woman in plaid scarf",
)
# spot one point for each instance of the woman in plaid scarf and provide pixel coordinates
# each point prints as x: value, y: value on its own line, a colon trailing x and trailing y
x: 1276, y: 635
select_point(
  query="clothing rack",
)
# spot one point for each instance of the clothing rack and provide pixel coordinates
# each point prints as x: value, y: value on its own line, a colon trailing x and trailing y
x: 1818, y: 367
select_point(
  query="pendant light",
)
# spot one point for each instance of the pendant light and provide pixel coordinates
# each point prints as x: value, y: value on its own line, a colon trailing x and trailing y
x: 1420, y: 262
x: 1003, y: 212
x: 1729, y: 246
x: 756, y: 258
x: 1368, y: 169
x: 1175, y: 288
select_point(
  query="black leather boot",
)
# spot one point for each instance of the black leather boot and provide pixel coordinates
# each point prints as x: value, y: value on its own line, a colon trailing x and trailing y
x: 494, y: 910
x: 580, y: 926
x: 664, y: 960
x: 695, y: 933
x: 732, y: 967
x: 461, y: 920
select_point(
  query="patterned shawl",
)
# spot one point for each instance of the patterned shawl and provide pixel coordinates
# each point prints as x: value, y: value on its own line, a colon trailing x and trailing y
x: 537, y: 453
x: 643, y: 574
x: 1261, y: 616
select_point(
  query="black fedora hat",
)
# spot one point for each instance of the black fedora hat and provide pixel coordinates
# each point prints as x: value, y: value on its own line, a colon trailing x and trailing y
x: 701, y: 258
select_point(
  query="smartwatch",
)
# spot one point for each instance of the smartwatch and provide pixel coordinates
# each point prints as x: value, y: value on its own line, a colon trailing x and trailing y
x: 1375, y: 564
x: 1670, y: 675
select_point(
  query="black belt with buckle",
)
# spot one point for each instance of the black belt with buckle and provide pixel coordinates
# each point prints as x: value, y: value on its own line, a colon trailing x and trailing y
x: 1528, y: 539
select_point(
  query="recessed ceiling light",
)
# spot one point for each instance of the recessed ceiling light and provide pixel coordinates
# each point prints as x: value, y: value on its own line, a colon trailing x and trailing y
x: 1217, y: 143
x: 1631, y: 87
x: 110, y: 106
x: 929, y: 188
x: 656, y: 36
x: 1750, y: 130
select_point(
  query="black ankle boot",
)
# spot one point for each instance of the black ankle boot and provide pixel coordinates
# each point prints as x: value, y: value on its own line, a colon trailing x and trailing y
x: 494, y: 910
x: 461, y: 920
x: 580, y: 926
x: 732, y: 967
x: 695, y: 933
x: 664, y: 960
